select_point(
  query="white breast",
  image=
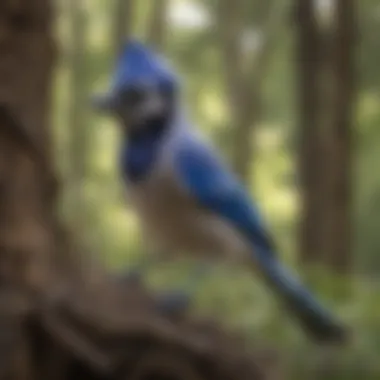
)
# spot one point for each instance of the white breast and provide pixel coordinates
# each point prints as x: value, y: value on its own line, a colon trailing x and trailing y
x: 176, y: 224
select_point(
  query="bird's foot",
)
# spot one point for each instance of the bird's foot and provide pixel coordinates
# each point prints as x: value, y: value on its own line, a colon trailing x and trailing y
x: 174, y: 303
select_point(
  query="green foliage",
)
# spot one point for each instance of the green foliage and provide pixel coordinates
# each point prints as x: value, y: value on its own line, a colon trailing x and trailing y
x: 232, y: 293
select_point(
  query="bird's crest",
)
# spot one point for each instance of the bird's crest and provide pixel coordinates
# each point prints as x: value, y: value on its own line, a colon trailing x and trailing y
x: 138, y: 64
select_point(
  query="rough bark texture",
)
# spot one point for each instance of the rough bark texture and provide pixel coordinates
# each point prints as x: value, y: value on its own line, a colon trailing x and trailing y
x: 59, y: 319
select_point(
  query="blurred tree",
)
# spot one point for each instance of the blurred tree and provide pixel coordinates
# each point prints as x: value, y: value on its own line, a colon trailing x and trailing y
x: 122, y: 22
x: 339, y: 170
x: 246, y: 52
x: 367, y: 154
x: 157, y: 26
x: 25, y: 166
x: 311, y: 158
x: 231, y: 29
x: 325, y: 56
x: 77, y: 113
x: 369, y: 53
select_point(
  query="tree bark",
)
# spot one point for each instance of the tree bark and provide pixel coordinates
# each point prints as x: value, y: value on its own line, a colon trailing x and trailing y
x: 27, y: 57
x: 26, y: 61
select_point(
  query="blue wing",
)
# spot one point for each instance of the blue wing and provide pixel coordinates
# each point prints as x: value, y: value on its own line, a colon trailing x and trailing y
x: 216, y: 189
x: 207, y: 178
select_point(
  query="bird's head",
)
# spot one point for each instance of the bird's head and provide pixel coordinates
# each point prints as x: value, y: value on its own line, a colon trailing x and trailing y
x: 144, y: 89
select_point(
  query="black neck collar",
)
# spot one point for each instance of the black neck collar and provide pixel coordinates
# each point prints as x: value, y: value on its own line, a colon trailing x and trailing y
x: 149, y: 130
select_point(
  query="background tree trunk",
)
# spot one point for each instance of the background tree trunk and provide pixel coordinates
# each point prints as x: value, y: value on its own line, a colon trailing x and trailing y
x: 244, y: 73
x: 231, y: 27
x: 340, y: 165
x: 77, y: 115
x: 122, y: 22
x: 325, y: 64
x: 311, y: 156
x: 157, y: 24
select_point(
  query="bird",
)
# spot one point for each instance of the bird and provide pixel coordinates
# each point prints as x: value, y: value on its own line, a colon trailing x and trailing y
x: 185, y: 195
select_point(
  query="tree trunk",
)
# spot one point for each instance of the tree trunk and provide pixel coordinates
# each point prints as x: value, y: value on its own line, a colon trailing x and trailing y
x: 26, y: 61
x: 244, y: 74
x: 311, y: 159
x: 339, y: 170
x: 54, y: 323
x: 122, y: 22
x: 77, y: 116
x: 27, y: 57
x: 241, y: 104
x: 157, y: 24
x: 325, y: 103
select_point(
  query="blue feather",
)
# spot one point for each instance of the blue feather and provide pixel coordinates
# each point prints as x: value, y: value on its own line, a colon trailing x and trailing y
x: 212, y: 185
x: 139, y: 65
x: 140, y: 150
x: 215, y: 188
x: 205, y: 177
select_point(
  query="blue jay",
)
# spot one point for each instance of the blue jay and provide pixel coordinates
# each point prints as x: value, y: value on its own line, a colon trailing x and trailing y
x: 186, y: 198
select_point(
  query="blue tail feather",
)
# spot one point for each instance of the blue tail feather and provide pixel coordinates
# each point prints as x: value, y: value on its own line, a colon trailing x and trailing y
x: 313, y: 317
